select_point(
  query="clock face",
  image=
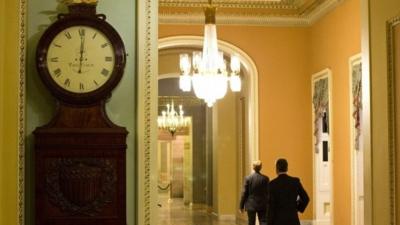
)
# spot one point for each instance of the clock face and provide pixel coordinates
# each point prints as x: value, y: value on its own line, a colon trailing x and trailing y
x: 80, y: 59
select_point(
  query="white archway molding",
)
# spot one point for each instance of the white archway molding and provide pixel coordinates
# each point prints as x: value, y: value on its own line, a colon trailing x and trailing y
x: 250, y: 70
x: 168, y: 75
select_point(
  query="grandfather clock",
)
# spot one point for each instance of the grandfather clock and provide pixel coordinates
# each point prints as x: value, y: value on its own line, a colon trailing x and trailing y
x: 80, y: 153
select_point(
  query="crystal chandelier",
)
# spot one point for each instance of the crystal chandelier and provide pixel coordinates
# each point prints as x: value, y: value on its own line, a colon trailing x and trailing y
x: 172, y: 120
x: 207, y: 72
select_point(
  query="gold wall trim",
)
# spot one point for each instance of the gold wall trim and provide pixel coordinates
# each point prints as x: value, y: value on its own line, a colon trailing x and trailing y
x: 299, y: 16
x: 21, y: 114
x: 231, y: 19
x: 148, y: 118
x: 146, y: 105
x: 284, y: 4
x: 391, y: 24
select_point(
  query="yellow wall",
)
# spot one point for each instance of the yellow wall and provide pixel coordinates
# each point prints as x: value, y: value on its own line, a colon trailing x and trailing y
x: 9, y: 83
x: 334, y: 39
x: 225, y: 144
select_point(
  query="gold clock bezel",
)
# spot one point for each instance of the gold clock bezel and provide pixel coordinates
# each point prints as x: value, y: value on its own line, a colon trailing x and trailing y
x: 68, y: 64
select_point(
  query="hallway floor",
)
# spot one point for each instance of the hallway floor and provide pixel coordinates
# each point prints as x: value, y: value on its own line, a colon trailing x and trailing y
x: 176, y: 213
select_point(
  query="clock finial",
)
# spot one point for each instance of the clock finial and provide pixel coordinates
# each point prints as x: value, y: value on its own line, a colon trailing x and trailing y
x: 73, y: 2
x: 81, y: 7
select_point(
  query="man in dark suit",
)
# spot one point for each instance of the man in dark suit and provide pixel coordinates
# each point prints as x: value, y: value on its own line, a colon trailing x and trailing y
x: 255, y: 195
x: 287, y: 197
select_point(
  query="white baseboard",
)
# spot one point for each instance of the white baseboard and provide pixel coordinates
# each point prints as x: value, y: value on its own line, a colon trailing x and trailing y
x: 306, y: 222
x: 225, y: 217
x: 321, y: 222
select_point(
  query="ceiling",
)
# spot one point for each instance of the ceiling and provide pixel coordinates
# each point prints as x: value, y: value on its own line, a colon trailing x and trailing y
x: 247, y: 12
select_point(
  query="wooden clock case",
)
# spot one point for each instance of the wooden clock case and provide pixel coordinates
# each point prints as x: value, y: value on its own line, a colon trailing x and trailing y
x: 80, y: 156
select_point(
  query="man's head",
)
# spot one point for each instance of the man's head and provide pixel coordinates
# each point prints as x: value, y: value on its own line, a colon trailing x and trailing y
x: 257, y: 165
x: 281, y: 166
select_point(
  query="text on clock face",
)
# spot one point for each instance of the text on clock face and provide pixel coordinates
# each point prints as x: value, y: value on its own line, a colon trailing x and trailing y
x: 80, y: 59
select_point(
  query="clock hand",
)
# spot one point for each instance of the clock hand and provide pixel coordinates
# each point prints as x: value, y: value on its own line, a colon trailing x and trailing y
x: 81, y: 53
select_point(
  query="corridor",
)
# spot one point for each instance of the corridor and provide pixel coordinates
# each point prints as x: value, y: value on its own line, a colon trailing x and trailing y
x: 176, y: 213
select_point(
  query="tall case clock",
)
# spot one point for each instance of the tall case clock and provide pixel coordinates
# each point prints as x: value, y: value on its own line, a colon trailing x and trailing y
x: 80, y: 154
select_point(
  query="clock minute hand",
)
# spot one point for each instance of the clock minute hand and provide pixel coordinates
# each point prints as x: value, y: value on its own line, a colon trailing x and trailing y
x: 81, y: 53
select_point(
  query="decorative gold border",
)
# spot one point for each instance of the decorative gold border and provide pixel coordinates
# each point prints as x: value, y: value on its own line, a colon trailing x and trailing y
x: 21, y: 114
x: 283, y: 4
x: 304, y: 15
x: 146, y: 104
x: 390, y: 25
x: 147, y: 110
x: 232, y: 19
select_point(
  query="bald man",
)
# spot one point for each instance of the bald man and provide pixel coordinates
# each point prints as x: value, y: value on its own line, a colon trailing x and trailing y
x: 255, y: 195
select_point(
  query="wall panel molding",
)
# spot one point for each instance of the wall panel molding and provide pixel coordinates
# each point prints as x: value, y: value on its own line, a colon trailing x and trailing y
x: 393, y: 106
x: 21, y: 113
x: 146, y: 104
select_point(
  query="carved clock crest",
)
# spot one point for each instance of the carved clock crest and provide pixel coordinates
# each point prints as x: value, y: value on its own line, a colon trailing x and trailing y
x: 80, y: 153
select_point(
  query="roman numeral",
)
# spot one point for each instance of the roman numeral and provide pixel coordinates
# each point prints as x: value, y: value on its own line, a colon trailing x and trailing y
x: 67, y: 82
x: 82, y: 32
x: 104, y: 45
x: 81, y: 87
x: 109, y: 59
x: 94, y: 36
x: 58, y: 46
x: 94, y: 81
x: 57, y: 72
x: 55, y: 59
x: 68, y: 35
x: 105, y: 72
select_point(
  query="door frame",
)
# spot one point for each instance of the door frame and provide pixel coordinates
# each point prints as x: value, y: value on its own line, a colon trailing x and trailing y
x: 356, y: 59
x: 185, y: 41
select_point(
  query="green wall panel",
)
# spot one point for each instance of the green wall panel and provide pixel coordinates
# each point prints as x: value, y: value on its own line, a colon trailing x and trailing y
x: 120, y: 108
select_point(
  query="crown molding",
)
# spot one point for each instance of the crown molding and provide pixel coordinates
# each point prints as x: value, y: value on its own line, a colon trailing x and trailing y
x: 247, y: 4
x: 307, y: 17
x: 232, y: 19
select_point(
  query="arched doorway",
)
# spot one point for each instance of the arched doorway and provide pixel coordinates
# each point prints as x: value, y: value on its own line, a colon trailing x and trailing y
x: 246, y: 107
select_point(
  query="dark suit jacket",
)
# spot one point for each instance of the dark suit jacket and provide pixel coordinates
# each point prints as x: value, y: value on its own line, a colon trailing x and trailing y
x: 287, y: 197
x: 255, y: 192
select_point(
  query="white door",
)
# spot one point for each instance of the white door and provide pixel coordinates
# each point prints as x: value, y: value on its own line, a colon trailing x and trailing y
x: 322, y: 131
x: 323, y: 172
x: 358, y: 194
x: 356, y: 147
